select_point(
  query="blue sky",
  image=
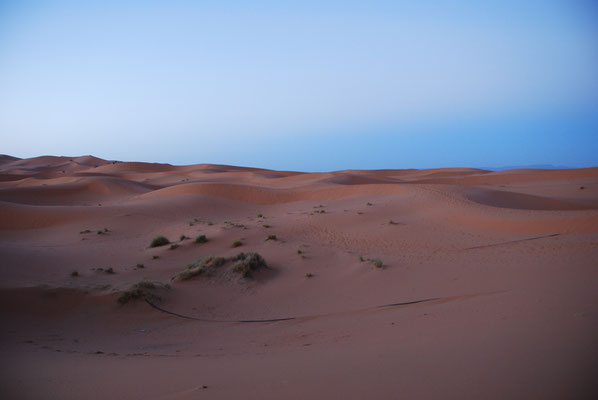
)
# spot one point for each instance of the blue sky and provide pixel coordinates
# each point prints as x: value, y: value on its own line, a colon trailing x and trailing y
x: 311, y: 86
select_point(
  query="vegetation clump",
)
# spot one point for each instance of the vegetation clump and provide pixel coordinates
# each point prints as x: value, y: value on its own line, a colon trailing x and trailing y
x: 174, y: 246
x: 207, y: 266
x: 109, y: 270
x: 140, y: 265
x: 75, y: 273
x: 237, y: 243
x: 271, y: 237
x: 378, y: 263
x: 159, y: 241
x: 243, y: 264
x: 201, y: 239
x: 309, y: 275
x: 247, y: 263
x: 143, y: 289
x: 183, y: 237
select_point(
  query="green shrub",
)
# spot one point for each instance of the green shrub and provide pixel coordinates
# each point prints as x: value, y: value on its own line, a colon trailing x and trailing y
x: 201, y: 239
x: 159, y: 241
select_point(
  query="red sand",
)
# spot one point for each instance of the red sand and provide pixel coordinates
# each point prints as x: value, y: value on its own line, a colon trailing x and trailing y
x: 507, y: 262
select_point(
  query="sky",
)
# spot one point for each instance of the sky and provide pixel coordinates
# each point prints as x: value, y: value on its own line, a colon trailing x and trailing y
x: 310, y: 85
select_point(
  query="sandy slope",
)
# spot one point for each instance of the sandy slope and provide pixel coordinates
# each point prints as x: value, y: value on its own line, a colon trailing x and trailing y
x: 504, y: 261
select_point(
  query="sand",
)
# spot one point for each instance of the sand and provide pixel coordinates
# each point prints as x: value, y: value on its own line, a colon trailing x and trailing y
x: 488, y: 287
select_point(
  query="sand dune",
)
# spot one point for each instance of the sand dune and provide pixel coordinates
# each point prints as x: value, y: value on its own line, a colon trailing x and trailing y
x: 421, y: 284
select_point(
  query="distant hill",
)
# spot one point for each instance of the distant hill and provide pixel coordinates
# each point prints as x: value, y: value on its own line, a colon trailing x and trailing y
x: 532, y: 166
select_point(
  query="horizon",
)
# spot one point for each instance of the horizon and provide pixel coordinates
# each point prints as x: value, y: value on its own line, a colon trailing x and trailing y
x: 309, y: 87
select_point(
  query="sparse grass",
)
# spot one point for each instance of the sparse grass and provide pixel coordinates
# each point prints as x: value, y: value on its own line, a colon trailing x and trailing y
x: 309, y: 275
x: 201, y: 239
x: 109, y: 270
x: 207, y: 265
x: 142, y: 289
x: 271, y: 237
x: 155, y: 257
x: 140, y: 265
x: 159, y: 241
x: 267, y: 226
x: 74, y: 273
x: 237, y: 243
x: 174, y: 246
x: 244, y: 264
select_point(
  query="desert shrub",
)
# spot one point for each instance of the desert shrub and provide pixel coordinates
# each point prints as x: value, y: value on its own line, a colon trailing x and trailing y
x: 140, y: 265
x: 271, y: 237
x: 183, y: 237
x: 266, y: 226
x: 206, y: 265
x: 247, y: 263
x: 155, y: 257
x: 237, y: 243
x: 174, y: 246
x: 109, y: 270
x: 159, y: 241
x: 142, y: 289
x: 75, y: 273
x: 260, y: 216
x: 309, y: 275
x: 201, y: 239
x: 378, y: 263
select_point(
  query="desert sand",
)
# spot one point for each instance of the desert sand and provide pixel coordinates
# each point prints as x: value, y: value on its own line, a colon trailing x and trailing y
x: 388, y: 284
